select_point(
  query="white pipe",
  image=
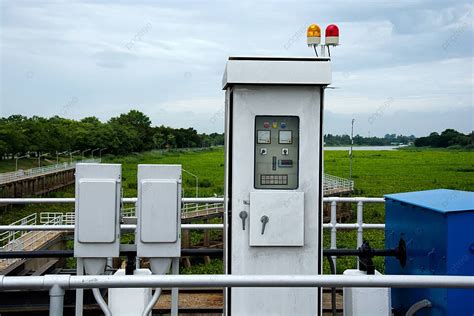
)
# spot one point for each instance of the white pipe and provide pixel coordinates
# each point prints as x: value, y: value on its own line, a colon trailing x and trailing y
x: 102, y: 304
x: 72, y: 200
x: 417, y: 306
x: 184, y: 200
x: 195, y: 281
x: 333, y: 229
x: 124, y: 227
x: 132, y: 227
x: 152, y: 302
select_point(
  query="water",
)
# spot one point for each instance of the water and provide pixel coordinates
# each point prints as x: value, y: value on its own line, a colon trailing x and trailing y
x: 362, y: 148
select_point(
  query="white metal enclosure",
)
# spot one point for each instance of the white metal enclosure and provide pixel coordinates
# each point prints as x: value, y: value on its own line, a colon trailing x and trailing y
x: 274, y: 175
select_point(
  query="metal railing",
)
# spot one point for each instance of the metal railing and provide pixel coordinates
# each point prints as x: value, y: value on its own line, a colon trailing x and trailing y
x: 34, y: 172
x: 65, y: 221
x: 58, y: 217
x: 57, y: 284
x: 10, y: 236
x: 19, y: 240
x: 333, y: 184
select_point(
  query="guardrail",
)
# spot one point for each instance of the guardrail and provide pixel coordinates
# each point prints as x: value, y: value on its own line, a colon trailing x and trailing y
x: 66, y: 221
x: 57, y: 284
x: 27, y: 240
x: 34, y: 172
x: 333, y: 184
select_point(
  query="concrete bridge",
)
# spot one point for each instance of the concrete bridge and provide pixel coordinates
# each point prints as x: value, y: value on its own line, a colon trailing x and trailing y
x: 38, y: 181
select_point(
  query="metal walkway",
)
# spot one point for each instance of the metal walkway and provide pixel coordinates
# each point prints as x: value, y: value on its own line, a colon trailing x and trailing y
x: 13, y: 176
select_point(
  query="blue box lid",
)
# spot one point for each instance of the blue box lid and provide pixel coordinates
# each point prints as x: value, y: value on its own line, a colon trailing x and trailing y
x: 441, y: 200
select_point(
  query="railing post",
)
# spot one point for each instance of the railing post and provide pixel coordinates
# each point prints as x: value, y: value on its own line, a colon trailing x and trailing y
x: 79, y: 292
x: 175, y: 290
x: 56, y: 300
x: 360, y: 221
x: 334, y: 229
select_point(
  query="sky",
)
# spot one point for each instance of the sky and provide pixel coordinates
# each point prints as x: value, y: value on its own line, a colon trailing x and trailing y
x: 403, y: 67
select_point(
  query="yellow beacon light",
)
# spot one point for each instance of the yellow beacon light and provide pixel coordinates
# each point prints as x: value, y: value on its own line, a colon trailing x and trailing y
x: 313, y: 35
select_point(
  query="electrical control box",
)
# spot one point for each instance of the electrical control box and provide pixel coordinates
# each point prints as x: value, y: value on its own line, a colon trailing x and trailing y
x: 276, y: 152
x: 436, y: 226
x: 273, y: 189
x: 159, y: 211
x: 97, y: 210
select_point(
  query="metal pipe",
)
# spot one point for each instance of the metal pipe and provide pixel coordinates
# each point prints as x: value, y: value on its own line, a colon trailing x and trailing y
x: 79, y: 292
x: 123, y: 227
x: 184, y: 200
x: 417, y: 306
x: 333, y: 230
x: 132, y: 227
x: 56, y: 300
x: 100, y: 300
x: 360, y: 229
x: 206, y: 281
x: 72, y: 200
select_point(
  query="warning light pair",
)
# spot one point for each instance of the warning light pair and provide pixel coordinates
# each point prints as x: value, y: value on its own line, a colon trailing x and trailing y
x: 314, y: 35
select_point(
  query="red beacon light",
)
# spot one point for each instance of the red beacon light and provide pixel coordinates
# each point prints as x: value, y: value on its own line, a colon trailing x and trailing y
x: 332, y: 35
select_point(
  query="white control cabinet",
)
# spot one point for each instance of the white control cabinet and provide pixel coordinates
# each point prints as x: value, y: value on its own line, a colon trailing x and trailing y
x: 274, y: 172
x: 159, y: 211
x: 97, y: 210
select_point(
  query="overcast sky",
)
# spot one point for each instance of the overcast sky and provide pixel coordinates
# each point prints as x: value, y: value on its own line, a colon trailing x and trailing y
x: 403, y: 67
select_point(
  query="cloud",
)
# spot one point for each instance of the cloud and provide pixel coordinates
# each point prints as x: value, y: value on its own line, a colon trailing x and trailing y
x: 167, y: 59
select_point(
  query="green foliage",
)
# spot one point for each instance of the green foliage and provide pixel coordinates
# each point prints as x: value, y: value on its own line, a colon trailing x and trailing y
x: 206, y: 164
x: 450, y: 138
x: 125, y: 134
x: 216, y: 266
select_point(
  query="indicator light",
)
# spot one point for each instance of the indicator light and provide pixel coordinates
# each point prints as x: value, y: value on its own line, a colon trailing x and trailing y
x: 274, y: 124
x: 266, y: 124
x: 332, y: 35
x: 283, y: 125
x: 313, y: 35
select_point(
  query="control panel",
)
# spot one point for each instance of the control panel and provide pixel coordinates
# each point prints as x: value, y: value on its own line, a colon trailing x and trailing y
x: 276, y: 152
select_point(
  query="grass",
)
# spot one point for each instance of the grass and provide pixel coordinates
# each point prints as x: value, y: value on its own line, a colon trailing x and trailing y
x: 375, y: 173
x: 208, y: 165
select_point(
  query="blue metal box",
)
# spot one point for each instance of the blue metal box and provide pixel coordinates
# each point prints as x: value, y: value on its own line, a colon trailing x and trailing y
x: 438, y: 228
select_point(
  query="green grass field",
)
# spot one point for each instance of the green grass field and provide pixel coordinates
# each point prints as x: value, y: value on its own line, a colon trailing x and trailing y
x: 375, y: 173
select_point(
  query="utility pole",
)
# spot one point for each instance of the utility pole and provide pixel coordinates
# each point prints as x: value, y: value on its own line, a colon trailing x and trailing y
x: 350, y: 152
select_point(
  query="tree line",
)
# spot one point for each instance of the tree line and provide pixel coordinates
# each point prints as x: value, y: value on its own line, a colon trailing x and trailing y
x: 448, y: 138
x: 126, y: 133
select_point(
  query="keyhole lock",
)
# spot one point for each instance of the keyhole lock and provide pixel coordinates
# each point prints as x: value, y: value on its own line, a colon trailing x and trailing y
x: 264, y: 219
x: 243, y: 215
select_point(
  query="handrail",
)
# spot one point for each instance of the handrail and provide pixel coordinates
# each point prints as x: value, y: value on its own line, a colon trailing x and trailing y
x: 206, y: 281
x: 359, y: 225
x: 22, y: 174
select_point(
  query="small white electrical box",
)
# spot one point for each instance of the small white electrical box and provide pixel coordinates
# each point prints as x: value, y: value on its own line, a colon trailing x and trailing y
x: 159, y: 211
x: 97, y: 210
